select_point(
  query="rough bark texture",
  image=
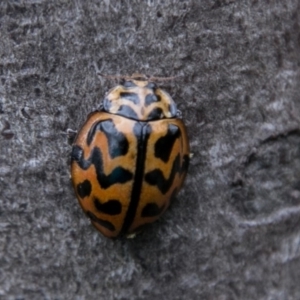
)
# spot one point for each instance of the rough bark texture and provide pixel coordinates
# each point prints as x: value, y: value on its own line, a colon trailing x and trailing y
x: 234, y: 230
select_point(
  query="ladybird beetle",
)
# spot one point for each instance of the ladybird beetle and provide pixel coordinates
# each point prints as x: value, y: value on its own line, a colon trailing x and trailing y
x: 130, y: 158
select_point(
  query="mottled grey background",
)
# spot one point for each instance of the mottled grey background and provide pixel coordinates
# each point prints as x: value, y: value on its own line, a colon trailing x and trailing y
x: 234, y: 230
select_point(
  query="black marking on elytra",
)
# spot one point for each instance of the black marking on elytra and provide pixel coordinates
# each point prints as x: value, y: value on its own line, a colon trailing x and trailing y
x: 127, y: 111
x: 157, y: 178
x: 133, y: 97
x: 118, y: 175
x: 117, y: 141
x: 164, y: 145
x: 77, y: 155
x: 108, y: 225
x: 128, y: 84
x: 156, y: 114
x: 151, y: 86
x: 92, y: 132
x: 152, y: 98
x: 110, y: 207
x: 84, y: 189
x: 152, y: 210
x: 142, y: 132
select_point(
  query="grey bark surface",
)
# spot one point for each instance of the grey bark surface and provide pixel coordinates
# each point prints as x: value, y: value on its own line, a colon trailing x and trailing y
x: 233, y: 232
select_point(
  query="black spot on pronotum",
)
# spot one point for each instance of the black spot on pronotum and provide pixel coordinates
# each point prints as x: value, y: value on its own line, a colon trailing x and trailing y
x: 173, y: 109
x: 127, y: 111
x: 157, y: 178
x: 128, y: 84
x: 106, y: 105
x: 164, y: 145
x: 152, y: 210
x: 151, y: 98
x: 133, y: 97
x: 152, y: 86
x: 84, y: 189
x: 111, y: 207
x: 156, y: 114
x: 117, y: 141
x: 108, y: 225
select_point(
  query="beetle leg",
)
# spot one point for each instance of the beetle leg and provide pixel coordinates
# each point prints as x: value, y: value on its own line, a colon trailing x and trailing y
x: 131, y: 235
x: 71, y: 134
